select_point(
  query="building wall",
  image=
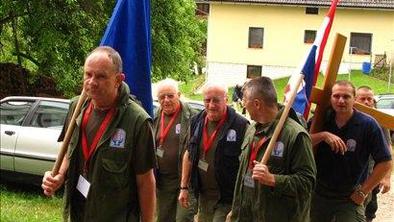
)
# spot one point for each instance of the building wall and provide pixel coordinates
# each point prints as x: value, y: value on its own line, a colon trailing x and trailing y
x: 284, y: 48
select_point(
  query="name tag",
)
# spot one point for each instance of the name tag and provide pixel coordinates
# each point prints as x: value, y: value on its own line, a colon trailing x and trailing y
x: 248, y: 180
x: 83, y: 186
x: 203, y: 165
x: 160, y: 152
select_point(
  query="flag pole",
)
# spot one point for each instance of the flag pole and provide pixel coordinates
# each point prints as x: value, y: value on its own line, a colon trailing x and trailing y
x: 282, y: 120
x: 69, y: 132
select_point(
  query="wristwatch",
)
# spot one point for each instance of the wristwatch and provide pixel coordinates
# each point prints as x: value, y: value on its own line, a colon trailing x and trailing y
x: 360, y: 192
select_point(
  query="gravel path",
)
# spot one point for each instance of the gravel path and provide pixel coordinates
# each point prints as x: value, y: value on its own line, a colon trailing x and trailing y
x: 386, y: 205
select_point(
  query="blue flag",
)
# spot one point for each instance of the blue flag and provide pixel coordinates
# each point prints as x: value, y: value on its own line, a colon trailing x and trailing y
x: 310, y: 66
x: 303, y: 92
x: 128, y: 32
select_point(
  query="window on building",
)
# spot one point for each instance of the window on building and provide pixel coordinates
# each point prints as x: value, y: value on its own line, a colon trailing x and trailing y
x: 256, y: 37
x: 202, y: 9
x: 360, y: 43
x: 253, y: 71
x: 309, y: 36
x: 311, y: 10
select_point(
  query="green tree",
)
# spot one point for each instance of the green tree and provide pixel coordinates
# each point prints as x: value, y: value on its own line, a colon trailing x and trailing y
x: 52, y: 37
x: 177, y: 37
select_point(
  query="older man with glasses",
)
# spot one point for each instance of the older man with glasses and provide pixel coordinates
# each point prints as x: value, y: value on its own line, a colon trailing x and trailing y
x: 211, y: 161
x: 171, y: 124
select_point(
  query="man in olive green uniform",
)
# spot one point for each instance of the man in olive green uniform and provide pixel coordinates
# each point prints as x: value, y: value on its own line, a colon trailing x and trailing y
x: 280, y: 190
x: 171, y: 125
x: 211, y: 161
x: 109, y: 166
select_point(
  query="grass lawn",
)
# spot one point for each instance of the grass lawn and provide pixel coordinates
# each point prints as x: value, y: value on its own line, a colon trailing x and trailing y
x: 20, y: 203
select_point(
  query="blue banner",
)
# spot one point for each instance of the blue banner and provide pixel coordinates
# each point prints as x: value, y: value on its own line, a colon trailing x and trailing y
x: 128, y: 32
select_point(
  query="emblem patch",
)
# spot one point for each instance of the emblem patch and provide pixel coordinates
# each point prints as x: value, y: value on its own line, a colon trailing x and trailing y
x: 231, y: 135
x: 278, y: 150
x: 118, y: 139
x: 351, y: 145
x: 178, y: 128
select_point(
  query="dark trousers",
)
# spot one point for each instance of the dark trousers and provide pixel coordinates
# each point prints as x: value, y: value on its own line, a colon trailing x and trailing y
x: 372, y: 205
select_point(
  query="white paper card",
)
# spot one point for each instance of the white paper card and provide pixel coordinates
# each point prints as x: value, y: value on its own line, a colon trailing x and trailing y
x: 203, y: 165
x: 159, y: 152
x: 83, y: 186
x: 248, y: 180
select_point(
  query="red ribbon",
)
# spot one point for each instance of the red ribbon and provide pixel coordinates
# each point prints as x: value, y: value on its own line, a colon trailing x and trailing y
x: 208, y: 140
x: 164, y: 130
x: 88, y: 151
x: 255, y: 147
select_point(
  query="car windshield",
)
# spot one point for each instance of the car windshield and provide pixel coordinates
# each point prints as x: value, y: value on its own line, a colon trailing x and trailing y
x: 14, y: 112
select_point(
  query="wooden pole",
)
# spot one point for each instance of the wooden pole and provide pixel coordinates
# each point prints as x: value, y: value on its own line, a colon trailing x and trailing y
x: 69, y: 132
x: 329, y: 80
x: 282, y: 120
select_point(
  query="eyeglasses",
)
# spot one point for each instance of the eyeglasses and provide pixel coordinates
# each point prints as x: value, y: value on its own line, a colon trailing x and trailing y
x: 215, y: 100
x: 169, y: 96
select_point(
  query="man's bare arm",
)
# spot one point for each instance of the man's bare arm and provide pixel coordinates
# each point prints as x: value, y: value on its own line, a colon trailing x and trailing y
x: 335, y: 142
x: 185, y: 180
x: 386, y: 182
x: 146, y: 186
x: 372, y: 181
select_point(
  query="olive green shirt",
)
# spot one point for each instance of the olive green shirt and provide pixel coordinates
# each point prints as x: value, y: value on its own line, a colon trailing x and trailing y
x: 294, y: 169
x: 125, y: 150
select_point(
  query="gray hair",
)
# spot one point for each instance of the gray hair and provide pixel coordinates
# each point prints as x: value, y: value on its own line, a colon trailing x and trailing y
x: 167, y: 82
x: 112, y: 54
x: 262, y: 88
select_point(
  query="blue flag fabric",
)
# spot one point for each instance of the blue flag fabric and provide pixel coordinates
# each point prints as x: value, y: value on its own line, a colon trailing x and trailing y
x: 311, y: 66
x: 301, y: 100
x: 128, y: 32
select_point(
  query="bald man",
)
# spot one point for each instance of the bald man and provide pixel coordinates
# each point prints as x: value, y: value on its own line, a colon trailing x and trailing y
x: 109, y: 166
x: 211, y: 161
x: 365, y: 95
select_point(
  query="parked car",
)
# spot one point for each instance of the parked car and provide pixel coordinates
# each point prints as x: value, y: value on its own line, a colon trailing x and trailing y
x: 385, y: 103
x: 30, y: 127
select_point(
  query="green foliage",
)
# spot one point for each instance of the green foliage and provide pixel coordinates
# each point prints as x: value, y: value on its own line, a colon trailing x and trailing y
x: 189, y: 88
x: 177, y: 37
x: 53, y: 37
x: 382, y: 74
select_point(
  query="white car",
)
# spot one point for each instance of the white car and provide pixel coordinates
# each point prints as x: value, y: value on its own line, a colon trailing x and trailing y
x: 30, y: 127
x: 385, y: 103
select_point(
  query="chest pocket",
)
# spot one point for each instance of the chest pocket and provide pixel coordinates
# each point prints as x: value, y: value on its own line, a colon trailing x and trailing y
x: 114, y: 164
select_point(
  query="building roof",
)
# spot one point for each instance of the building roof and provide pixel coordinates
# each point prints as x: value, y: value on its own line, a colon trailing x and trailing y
x: 377, y: 4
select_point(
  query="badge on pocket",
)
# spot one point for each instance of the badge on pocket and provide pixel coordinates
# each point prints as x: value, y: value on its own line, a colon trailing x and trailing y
x: 118, y: 139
